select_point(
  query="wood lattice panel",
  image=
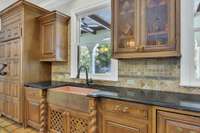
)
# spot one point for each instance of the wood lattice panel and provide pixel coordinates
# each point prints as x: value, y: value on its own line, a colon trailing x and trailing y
x: 56, y: 121
x: 78, y: 125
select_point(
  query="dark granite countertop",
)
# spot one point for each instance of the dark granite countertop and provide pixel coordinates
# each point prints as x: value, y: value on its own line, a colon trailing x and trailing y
x: 46, y: 85
x: 189, y: 102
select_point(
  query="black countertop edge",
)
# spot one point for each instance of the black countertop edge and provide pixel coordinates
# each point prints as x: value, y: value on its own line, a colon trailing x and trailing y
x: 152, y: 103
x: 45, y: 85
x: 181, y: 101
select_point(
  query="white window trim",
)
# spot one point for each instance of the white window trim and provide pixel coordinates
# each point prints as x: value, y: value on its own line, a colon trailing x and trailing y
x: 75, y: 14
x: 187, y: 47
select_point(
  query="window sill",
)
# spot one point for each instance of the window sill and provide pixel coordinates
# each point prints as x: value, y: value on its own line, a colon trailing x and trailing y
x: 98, y: 77
x: 192, y: 85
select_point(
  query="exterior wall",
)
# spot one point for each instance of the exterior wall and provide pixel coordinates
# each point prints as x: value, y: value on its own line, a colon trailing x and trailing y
x: 153, y: 74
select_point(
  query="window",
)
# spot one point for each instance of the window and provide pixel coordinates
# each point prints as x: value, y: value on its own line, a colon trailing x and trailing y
x: 0, y: 24
x: 190, y: 43
x: 91, y: 42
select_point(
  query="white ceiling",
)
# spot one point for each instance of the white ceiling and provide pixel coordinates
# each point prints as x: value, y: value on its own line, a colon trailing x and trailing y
x: 48, y: 4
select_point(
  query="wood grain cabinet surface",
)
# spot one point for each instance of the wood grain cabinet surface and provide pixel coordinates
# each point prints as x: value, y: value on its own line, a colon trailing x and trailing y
x: 145, y: 28
x: 123, y: 117
x: 19, y: 43
x: 168, y: 122
x: 54, y: 36
x: 70, y: 113
x: 32, y: 107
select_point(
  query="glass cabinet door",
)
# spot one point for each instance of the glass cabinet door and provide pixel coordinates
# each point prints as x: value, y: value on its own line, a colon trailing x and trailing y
x: 158, y: 30
x: 125, y: 25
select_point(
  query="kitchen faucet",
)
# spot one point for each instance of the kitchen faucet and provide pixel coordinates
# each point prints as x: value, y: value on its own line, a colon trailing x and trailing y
x: 88, y: 82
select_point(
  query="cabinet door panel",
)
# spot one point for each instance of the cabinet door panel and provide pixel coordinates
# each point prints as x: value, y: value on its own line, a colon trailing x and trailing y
x: 12, y: 31
x: 15, y: 89
x: 15, y: 49
x: 112, y: 127
x: 2, y: 34
x: 16, y: 110
x: 177, y: 123
x: 1, y: 105
x: 125, y: 25
x: 6, y: 87
x: 5, y: 107
x: 1, y: 86
x: 159, y: 25
x: 33, y: 113
x: 112, y: 124
x: 8, y: 49
x: 10, y: 107
x: 2, y: 50
x: 47, y: 38
x: 56, y: 119
x: 15, y: 69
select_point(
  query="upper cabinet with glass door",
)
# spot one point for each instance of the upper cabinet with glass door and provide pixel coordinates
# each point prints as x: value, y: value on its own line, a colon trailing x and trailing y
x: 153, y: 24
x: 125, y: 27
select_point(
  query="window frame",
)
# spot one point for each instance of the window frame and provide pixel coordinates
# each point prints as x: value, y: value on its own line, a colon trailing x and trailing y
x: 75, y: 33
x: 187, y: 48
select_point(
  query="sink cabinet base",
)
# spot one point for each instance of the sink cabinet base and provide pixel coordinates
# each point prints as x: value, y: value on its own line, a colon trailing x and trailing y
x: 66, y: 120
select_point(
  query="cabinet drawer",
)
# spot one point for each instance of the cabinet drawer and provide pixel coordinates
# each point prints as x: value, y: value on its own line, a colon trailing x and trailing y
x: 134, y: 110
x: 33, y: 94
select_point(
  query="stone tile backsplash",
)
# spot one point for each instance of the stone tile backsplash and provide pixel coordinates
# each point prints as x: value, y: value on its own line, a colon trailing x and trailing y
x: 155, y: 74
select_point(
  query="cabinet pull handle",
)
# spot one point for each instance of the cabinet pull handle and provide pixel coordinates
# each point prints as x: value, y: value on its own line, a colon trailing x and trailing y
x: 125, y: 110
x: 117, y: 108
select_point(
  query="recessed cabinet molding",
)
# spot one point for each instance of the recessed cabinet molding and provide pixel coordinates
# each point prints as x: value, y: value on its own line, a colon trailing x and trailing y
x: 151, y: 29
x: 54, y: 36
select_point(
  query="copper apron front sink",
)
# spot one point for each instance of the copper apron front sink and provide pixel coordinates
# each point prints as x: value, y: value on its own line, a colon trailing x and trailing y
x: 70, y: 97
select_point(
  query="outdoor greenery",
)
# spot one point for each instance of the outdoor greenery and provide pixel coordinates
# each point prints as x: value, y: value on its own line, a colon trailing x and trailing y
x: 84, y: 57
x: 102, y: 58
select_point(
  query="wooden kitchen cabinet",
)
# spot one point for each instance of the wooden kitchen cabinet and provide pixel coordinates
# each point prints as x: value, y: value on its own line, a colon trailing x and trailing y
x: 168, y: 122
x: 53, y: 36
x: 125, y: 33
x: 71, y: 112
x: 19, y: 43
x: 66, y: 120
x: 33, y: 98
x: 56, y: 119
x: 151, y: 29
x: 123, y: 117
x: 1, y: 104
